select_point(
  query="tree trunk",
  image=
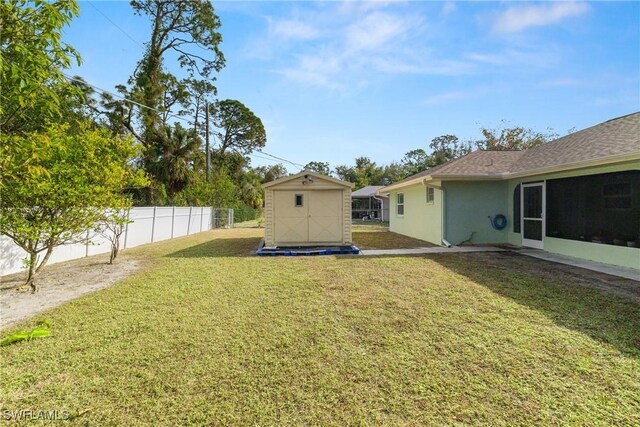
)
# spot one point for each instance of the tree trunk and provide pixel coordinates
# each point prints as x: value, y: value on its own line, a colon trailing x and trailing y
x: 115, y: 247
x: 45, y: 259
x: 33, y: 259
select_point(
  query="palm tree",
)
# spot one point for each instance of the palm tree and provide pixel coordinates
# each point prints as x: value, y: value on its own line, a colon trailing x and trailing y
x: 175, y: 151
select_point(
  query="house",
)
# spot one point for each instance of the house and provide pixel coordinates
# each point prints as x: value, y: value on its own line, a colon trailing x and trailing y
x: 366, y: 204
x: 578, y: 195
x: 307, y: 209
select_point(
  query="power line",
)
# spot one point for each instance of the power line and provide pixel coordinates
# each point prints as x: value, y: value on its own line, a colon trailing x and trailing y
x: 280, y: 158
x: 115, y: 25
x: 124, y: 98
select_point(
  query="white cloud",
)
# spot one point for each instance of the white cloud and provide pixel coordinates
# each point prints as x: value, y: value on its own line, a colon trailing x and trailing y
x: 292, y: 29
x: 430, y: 67
x: 376, y: 30
x: 522, y: 56
x: 448, y: 8
x: 519, y: 18
x: 347, y: 46
x: 316, y: 70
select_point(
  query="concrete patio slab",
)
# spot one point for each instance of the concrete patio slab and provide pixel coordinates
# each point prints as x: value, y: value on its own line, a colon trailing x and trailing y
x: 434, y: 250
x: 624, y: 272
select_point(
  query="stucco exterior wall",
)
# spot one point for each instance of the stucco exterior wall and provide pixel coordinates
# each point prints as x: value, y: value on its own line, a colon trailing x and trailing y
x: 421, y: 220
x: 469, y: 204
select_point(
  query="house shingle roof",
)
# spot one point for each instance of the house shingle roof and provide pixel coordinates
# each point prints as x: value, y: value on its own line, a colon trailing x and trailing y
x: 367, y: 191
x: 612, y: 138
x: 616, y: 137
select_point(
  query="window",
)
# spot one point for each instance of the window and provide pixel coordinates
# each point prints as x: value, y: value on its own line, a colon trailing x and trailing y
x: 516, y: 209
x: 400, y: 204
x: 430, y: 195
x: 299, y: 201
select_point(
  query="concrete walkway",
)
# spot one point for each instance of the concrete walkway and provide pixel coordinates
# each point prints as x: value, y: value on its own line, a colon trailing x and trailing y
x: 624, y: 272
x: 433, y: 250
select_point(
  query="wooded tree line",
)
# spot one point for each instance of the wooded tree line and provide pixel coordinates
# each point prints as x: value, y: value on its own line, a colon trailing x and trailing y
x: 440, y: 150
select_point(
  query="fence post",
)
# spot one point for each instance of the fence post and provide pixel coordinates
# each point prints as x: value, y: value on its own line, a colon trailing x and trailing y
x: 173, y: 220
x: 189, y: 223
x: 86, y: 244
x: 153, y: 223
x: 201, y: 216
x: 126, y: 230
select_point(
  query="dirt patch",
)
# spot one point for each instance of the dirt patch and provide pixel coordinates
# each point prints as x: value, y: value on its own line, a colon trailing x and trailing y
x: 567, y: 274
x: 58, y: 284
x: 382, y: 239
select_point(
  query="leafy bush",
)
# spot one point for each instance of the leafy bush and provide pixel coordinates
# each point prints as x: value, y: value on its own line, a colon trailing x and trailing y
x: 242, y: 213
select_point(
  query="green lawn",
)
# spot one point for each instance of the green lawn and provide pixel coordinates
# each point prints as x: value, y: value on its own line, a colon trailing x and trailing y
x: 208, y: 334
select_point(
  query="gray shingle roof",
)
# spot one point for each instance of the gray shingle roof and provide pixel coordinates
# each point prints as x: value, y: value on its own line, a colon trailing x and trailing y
x: 615, y: 137
x: 367, y: 191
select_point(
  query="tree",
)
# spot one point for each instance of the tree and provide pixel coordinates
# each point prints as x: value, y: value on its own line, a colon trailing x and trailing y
x: 346, y: 173
x: 270, y: 173
x: 365, y: 172
x: 172, y: 158
x: 188, y: 29
x: 513, y: 138
x: 32, y: 60
x: 445, y: 148
x: 55, y: 185
x: 251, y: 191
x: 188, y: 32
x: 415, y: 161
x: 392, y: 173
x: 112, y: 225
x: 238, y: 128
x: 320, y: 167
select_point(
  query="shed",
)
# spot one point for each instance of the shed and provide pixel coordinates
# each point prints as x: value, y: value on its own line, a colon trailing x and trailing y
x: 307, y: 209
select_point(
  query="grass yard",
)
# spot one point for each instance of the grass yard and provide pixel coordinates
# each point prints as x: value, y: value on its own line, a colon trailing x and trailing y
x: 206, y: 334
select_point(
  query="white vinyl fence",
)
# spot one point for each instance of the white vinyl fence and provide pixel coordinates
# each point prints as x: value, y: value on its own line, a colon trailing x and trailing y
x: 150, y: 224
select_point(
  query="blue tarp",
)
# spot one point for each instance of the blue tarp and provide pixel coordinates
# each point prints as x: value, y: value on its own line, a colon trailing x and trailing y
x: 308, y: 251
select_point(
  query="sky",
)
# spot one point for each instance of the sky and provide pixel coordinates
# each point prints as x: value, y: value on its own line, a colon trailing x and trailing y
x: 337, y: 80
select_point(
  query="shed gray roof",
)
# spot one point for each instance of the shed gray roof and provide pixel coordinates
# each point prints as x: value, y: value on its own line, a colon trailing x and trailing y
x: 367, y: 191
x: 616, y: 137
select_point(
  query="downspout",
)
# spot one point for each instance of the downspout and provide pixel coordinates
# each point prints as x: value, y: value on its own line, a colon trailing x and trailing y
x: 444, y: 240
x: 443, y: 213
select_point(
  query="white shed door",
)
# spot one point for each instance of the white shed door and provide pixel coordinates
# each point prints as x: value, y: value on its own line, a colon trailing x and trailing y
x: 325, y: 216
x: 308, y: 216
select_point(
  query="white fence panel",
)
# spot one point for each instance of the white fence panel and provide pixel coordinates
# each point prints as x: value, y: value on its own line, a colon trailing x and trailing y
x: 11, y: 256
x: 140, y: 230
x: 181, y: 222
x: 150, y: 224
x: 163, y: 224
